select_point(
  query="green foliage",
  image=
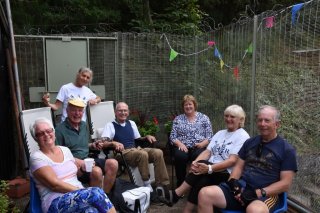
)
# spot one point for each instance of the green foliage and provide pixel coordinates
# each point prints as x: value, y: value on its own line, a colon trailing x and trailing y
x: 224, y: 12
x: 181, y: 17
x: 178, y: 17
x: 298, y: 123
x: 50, y: 15
x: 149, y: 128
x: 5, y: 204
x: 168, y: 126
x: 146, y: 124
x: 4, y: 199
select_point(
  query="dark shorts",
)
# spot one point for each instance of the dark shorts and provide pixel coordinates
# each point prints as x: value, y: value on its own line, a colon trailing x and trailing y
x: 199, y: 181
x: 233, y: 204
x: 85, y: 177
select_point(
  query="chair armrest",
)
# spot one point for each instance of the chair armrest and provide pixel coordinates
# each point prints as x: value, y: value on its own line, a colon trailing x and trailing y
x: 144, y: 143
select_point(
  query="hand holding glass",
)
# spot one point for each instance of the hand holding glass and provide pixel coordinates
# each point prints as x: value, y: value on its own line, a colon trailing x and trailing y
x: 89, y: 163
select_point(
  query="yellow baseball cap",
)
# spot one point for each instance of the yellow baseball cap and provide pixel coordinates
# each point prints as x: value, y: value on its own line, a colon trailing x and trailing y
x: 77, y: 102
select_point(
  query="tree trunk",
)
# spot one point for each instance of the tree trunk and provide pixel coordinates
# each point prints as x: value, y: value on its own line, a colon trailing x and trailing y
x: 147, y: 13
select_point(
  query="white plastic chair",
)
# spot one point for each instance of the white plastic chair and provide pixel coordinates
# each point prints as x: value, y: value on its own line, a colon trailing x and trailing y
x: 98, y: 116
x: 27, y: 117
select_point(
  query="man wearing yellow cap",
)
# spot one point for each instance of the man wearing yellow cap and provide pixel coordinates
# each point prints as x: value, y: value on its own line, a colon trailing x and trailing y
x: 73, y: 133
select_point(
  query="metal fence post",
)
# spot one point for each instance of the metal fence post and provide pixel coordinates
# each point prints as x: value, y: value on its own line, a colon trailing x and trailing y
x: 253, y: 74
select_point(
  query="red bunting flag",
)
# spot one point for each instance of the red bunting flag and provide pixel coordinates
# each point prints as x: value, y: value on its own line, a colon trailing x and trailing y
x: 236, y: 72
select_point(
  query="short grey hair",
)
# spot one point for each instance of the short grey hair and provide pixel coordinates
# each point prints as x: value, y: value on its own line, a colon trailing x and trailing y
x: 277, y: 116
x: 36, y: 122
x: 122, y: 103
x: 85, y: 69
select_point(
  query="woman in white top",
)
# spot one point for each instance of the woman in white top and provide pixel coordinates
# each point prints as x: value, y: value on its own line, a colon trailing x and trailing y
x: 54, y: 171
x: 214, y: 165
x: 78, y: 89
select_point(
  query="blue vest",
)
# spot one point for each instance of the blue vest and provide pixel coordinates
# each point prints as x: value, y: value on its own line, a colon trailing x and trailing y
x: 124, y: 134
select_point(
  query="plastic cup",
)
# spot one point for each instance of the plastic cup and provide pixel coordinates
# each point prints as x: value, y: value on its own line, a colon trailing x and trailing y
x: 89, y: 164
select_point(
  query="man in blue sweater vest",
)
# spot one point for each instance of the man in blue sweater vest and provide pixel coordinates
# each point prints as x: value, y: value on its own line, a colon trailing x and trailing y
x: 122, y: 133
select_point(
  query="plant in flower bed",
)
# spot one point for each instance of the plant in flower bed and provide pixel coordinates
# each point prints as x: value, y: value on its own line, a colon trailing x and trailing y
x: 6, y: 205
x: 169, y: 123
x: 147, y: 125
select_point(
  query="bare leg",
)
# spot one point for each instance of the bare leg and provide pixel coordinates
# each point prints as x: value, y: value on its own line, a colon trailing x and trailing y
x: 210, y: 196
x: 182, y: 189
x: 188, y: 207
x: 257, y: 206
x: 112, y: 210
x: 111, y: 168
x: 96, y: 177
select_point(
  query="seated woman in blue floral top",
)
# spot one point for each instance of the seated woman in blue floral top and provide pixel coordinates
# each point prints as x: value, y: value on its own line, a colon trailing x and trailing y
x: 190, y: 135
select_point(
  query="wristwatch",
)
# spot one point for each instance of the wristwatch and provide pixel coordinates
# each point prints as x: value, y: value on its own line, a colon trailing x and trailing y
x: 210, y: 169
x: 263, y: 192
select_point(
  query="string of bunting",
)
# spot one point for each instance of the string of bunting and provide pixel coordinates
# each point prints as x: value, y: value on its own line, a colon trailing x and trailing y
x: 269, y: 23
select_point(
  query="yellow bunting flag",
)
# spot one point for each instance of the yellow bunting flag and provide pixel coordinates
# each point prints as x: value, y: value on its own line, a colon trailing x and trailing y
x: 221, y: 64
x: 173, y: 55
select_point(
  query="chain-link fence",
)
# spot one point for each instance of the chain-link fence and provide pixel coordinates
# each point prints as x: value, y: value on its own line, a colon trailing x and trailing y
x: 273, y: 58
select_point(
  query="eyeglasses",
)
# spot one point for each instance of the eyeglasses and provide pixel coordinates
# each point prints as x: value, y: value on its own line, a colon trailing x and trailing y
x: 122, y: 110
x: 259, y: 150
x: 43, y: 133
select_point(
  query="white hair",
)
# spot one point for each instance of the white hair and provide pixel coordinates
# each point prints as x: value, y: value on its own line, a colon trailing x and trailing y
x: 36, y: 122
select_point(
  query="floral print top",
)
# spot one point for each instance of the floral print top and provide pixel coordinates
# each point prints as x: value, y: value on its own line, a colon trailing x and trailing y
x: 193, y: 132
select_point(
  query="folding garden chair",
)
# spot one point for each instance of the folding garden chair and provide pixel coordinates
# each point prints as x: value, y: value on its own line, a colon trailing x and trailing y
x: 98, y: 116
x: 27, y: 117
x: 171, y: 153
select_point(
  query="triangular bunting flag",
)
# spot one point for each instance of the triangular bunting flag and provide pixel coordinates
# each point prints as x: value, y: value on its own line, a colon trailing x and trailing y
x: 269, y: 21
x: 236, y: 72
x: 221, y: 64
x: 211, y: 43
x: 295, y: 9
x: 216, y: 53
x: 173, y: 55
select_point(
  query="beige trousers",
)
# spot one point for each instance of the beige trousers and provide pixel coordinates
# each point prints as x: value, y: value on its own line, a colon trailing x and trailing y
x: 141, y: 157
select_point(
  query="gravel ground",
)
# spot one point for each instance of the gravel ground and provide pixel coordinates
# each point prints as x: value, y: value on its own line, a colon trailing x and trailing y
x: 159, y: 208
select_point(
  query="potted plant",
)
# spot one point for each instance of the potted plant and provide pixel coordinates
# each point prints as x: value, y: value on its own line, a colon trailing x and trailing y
x: 146, y: 124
